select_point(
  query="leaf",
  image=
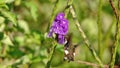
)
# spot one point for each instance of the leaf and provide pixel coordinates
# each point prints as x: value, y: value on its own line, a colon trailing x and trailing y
x: 17, y: 2
x: 1, y: 35
x: 9, y: 15
x: 23, y: 25
x: 2, y: 19
x: 2, y: 27
x: 34, y: 12
x: 27, y: 58
x: 37, y: 59
x: 33, y: 9
x: 9, y: 1
x: 6, y: 1
x: 3, y: 5
x: 2, y: 2
x: 6, y: 40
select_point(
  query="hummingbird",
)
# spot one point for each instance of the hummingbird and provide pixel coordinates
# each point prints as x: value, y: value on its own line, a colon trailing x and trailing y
x: 69, y: 48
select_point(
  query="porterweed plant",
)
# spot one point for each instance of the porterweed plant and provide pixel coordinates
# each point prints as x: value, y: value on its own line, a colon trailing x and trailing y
x: 59, y: 34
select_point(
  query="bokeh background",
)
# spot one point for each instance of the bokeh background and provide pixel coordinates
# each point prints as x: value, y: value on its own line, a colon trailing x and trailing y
x: 23, y: 41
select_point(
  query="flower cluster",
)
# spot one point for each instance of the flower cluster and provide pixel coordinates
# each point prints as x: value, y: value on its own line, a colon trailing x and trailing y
x: 59, y: 27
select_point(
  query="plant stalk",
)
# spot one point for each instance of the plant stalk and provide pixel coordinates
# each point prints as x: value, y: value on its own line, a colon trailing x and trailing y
x: 72, y: 11
x: 115, y: 44
x: 99, y: 24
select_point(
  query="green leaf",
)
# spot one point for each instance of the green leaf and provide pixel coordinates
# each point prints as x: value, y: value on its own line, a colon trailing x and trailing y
x: 2, y: 27
x: 2, y: 2
x: 1, y: 35
x: 9, y: 15
x: 23, y: 25
x: 34, y: 12
x: 6, y: 1
x: 27, y: 58
x: 2, y: 19
x: 6, y: 40
x: 36, y: 59
x: 9, y: 1
x: 17, y: 2
x: 33, y: 9
x: 4, y: 6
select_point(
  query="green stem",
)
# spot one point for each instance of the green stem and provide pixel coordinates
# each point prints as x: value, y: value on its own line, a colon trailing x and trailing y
x: 51, y: 55
x: 53, y: 14
x: 69, y: 2
x: 107, y: 36
x: 49, y: 24
x: 99, y: 23
x: 119, y: 4
x: 115, y: 44
x: 72, y: 11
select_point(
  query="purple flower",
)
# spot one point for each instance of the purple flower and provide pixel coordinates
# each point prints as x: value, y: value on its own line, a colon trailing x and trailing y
x: 60, y: 16
x: 59, y: 27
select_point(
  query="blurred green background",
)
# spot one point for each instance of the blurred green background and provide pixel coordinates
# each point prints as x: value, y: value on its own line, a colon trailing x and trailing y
x: 23, y: 41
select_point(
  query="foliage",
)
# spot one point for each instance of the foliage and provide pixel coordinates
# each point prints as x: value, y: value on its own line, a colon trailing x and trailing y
x: 23, y: 33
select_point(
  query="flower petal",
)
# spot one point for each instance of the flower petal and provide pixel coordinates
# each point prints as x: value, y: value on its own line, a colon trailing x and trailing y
x: 50, y: 34
x: 60, y: 16
x: 61, y: 39
x: 59, y: 27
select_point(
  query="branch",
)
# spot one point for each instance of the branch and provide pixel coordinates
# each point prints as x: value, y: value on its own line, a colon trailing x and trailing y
x: 95, y: 65
x: 51, y: 55
x: 99, y: 24
x: 72, y: 11
x: 53, y: 15
x: 67, y: 10
x: 118, y: 4
x: 114, y: 9
x: 115, y: 44
x: 91, y: 64
x: 54, y: 45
